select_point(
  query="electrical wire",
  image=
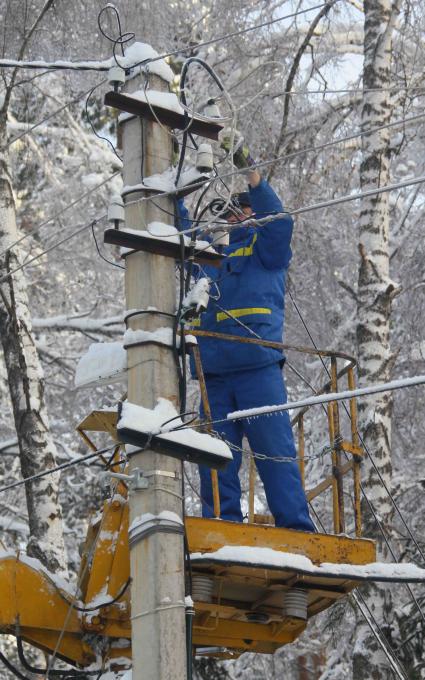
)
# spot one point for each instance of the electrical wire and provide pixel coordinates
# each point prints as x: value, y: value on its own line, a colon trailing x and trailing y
x: 93, y: 65
x: 58, y: 214
x: 58, y: 468
x: 5, y: 661
x: 390, y: 653
x: 227, y: 36
x: 114, y: 264
x: 323, y: 204
x: 63, y: 675
x: 371, y: 621
x: 247, y: 414
x: 207, y: 505
x: 82, y: 575
x: 111, y: 7
x: 107, y: 603
x: 49, y: 117
x: 369, y: 503
x: 95, y: 132
x: 300, y: 152
x: 52, y: 247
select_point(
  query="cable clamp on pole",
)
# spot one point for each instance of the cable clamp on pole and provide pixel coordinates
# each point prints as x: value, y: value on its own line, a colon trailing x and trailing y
x: 162, y: 473
x: 136, y: 480
x: 148, y: 524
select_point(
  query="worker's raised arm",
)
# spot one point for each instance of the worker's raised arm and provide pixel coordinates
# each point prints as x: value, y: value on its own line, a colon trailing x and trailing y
x: 273, y: 242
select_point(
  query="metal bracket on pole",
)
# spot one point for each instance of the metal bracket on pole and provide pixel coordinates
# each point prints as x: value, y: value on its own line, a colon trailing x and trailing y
x: 136, y: 480
x: 162, y: 473
x: 139, y: 479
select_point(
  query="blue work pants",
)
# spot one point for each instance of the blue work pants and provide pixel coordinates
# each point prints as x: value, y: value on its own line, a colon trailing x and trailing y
x: 269, y: 434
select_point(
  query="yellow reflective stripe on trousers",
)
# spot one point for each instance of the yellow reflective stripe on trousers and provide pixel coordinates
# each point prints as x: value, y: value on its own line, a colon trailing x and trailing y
x: 246, y: 251
x: 221, y: 316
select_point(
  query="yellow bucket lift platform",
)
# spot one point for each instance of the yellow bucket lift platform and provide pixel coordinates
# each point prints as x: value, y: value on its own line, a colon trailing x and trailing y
x: 240, y: 604
x: 254, y: 586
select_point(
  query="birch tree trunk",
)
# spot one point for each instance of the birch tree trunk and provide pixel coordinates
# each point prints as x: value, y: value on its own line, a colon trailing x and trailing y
x: 375, y: 294
x: 26, y: 385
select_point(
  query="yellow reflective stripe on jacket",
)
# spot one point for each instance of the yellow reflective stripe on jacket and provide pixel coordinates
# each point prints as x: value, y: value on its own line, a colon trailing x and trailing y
x: 246, y: 251
x: 194, y: 322
x: 221, y: 316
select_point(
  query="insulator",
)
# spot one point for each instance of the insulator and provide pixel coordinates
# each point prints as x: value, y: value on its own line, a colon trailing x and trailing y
x: 295, y: 603
x: 196, y: 301
x: 211, y: 110
x: 116, y: 211
x: 205, y: 158
x: 116, y: 77
x: 201, y: 294
x: 202, y: 588
x: 221, y: 237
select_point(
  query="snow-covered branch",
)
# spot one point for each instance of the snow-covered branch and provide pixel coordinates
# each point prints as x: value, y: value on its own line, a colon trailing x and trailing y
x: 112, y: 325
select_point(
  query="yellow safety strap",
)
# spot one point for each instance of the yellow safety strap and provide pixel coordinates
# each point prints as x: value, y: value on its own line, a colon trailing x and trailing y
x: 221, y: 316
x: 246, y: 251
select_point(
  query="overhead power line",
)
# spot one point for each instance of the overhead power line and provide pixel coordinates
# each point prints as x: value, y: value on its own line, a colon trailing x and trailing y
x: 50, y: 116
x: 92, y: 65
x: 347, y: 138
x: 59, y: 213
x: 58, y: 468
x: 326, y: 398
x: 242, y: 31
x: 358, y: 196
x: 60, y: 65
x: 318, y: 206
x: 317, y: 400
x: 52, y: 247
x: 300, y: 152
x: 375, y: 515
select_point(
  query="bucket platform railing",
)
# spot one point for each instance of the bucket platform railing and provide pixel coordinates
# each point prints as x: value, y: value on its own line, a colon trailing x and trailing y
x: 342, y: 368
x: 254, y: 586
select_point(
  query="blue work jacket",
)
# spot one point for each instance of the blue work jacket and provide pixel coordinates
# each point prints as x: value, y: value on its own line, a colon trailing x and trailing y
x: 250, y: 286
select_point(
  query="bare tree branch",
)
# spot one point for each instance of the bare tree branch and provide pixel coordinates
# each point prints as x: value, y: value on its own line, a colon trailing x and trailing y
x: 290, y: 80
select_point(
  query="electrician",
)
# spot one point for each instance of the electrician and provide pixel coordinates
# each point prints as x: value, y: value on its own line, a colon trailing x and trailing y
x: 250, y: 286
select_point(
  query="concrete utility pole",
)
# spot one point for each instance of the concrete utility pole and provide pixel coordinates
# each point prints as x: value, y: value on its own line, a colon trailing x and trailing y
x: 156, y: 544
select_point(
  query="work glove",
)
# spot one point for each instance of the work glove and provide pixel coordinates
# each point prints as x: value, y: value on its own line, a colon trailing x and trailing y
x: 242, y: 158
